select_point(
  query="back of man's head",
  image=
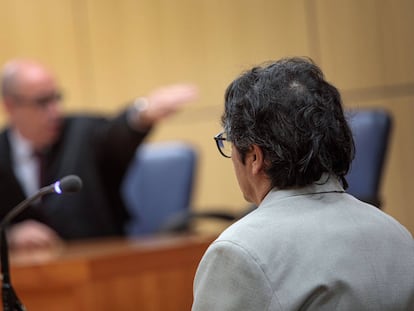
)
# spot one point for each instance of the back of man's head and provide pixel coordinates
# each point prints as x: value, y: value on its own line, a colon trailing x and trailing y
x: 296, y: 118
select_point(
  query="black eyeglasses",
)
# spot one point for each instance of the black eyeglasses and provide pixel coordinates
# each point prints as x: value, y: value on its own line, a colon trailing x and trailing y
x: 41, y: 101
x: 223, y: 145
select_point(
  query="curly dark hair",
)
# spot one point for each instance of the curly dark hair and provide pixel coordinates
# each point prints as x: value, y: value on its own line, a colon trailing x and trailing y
x: 296, y: 118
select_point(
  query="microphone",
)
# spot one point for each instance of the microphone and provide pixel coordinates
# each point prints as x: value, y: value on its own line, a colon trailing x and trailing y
x: 68, y: 184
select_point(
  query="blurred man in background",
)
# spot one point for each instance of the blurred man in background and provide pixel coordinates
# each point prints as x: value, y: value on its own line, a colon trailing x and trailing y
x: 40, y: 145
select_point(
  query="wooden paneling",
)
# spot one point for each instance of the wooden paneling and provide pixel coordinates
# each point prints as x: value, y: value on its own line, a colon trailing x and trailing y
x: 147, y: 274
x: 367, y: 43
x: 148, y: 43
x: 48, y: 30
x: 107, y: 52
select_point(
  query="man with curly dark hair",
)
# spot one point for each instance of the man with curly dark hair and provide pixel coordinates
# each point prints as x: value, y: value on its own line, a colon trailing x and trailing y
x: 309, y: 245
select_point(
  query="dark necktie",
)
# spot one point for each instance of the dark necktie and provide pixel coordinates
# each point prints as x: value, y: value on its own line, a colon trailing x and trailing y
x: 41, y: 158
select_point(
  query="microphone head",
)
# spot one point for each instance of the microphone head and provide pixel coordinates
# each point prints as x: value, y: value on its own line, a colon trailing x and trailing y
x: 68, y: 184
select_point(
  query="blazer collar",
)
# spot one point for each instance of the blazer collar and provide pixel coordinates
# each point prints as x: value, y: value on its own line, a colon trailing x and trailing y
x: 5, y: 159
x: 327, y: 183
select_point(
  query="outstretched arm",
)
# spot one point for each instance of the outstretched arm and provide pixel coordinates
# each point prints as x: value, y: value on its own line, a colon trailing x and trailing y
x: 162, y: 103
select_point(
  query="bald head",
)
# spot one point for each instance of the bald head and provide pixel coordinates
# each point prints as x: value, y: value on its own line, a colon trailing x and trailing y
x: 20, y: 73
x: 31, y: 96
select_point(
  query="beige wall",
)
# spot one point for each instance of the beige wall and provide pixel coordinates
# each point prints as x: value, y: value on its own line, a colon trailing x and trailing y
x: 109, y: 51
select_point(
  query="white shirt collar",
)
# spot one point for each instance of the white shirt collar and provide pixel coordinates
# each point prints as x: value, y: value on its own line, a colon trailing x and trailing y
x: 21, y: 148
x: 25, y: 165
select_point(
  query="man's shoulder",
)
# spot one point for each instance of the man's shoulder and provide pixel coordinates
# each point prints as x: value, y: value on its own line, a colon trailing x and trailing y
x: 248, y: 230
x: 84, y: 118
x: 93, y: 118
x: 83, y: 121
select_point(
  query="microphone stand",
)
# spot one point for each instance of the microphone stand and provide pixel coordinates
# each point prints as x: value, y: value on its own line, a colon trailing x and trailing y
x: 10, y: 300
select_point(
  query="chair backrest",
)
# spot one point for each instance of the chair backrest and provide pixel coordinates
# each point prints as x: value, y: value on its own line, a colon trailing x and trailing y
x: 371, y: 131
x: 158, y: 185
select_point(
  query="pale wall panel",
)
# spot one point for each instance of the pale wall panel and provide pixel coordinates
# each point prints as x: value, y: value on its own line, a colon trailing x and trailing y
x: 106, y: 52
x: 138, y: 45
x: 366, y: 43
x: 46, y: 30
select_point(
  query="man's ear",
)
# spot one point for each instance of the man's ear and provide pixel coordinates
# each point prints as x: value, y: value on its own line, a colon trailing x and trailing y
x: 257, y: 159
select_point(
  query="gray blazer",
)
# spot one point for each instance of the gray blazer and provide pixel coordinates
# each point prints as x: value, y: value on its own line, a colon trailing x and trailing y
x: 315, y: 248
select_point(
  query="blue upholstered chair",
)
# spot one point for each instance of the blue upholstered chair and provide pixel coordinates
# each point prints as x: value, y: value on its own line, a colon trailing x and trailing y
x: 371, y: 130
x: 158, y: 186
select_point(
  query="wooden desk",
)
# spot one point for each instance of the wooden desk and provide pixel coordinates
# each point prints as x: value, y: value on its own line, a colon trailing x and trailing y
x: 146, y: 274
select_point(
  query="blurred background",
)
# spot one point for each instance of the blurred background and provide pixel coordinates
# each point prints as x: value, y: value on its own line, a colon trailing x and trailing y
x: 107, y: 52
